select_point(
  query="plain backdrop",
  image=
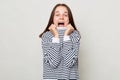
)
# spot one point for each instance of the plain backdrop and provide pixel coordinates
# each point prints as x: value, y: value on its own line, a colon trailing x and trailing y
x: 21, y: 22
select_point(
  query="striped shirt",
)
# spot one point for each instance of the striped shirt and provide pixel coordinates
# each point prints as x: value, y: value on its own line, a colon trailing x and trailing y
x: 60, y: 59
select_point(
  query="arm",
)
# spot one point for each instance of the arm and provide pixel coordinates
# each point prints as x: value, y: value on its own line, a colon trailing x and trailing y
x: 71, y: 49
x: 50, y: 50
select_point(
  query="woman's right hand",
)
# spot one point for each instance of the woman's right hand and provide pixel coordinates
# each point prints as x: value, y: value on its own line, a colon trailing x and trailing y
x: 52, y: 28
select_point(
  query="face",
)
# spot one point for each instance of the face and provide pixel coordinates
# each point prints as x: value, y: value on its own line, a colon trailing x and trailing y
x: 61, y: 18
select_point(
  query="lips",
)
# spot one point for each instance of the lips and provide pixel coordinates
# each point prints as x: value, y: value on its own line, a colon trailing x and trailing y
x: 60, y: 24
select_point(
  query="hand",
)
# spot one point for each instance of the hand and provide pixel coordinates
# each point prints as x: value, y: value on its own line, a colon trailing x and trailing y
x: 52, y: 28
x: 69, y: 30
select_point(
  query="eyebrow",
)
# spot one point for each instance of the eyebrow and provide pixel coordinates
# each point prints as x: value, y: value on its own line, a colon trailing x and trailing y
x: 58, y: 12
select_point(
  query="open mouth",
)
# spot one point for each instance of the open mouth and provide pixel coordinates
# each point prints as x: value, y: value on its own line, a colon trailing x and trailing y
x: 60, y: 24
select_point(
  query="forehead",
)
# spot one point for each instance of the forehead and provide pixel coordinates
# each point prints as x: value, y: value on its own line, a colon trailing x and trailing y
x: 61, y: 9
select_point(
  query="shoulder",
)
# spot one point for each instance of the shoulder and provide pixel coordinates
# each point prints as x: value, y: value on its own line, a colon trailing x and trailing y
x: 46, y: 35
x: 75, y: 36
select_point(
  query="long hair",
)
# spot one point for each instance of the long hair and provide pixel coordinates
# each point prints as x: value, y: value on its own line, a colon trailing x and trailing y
x: 71, y: 21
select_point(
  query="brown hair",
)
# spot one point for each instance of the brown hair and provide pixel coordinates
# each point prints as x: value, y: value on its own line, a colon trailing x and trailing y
x: 71, y: 21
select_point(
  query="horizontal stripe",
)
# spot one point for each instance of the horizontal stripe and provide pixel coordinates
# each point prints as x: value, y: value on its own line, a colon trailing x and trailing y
x: 60, y: 59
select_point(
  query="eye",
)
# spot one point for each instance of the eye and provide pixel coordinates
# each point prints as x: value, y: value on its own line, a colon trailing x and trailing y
x: 57, y: 14
x: 66, y: 15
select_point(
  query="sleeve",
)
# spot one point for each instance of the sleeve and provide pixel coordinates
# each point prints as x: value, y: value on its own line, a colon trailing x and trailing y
x: 71, y: 49
x: 55, y: 40
x: 66, y: 38
x: 50, y: 51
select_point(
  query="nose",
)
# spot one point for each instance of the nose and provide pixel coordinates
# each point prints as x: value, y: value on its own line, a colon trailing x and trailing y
x: 61, y: 17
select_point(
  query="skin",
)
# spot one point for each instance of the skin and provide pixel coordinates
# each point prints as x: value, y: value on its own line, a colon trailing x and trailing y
x: 61, y: 15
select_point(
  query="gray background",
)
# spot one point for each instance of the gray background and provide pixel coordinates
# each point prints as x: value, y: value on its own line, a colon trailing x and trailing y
x: 21, y: 21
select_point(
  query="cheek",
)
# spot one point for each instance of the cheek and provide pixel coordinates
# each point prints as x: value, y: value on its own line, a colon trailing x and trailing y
x: 55, y: 20
x: 67, y: 20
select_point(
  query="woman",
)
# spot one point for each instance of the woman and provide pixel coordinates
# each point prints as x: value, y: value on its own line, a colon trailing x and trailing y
x: 60, y: 44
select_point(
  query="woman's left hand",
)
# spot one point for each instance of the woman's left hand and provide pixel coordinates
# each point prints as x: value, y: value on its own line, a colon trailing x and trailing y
x: 68, y: 30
